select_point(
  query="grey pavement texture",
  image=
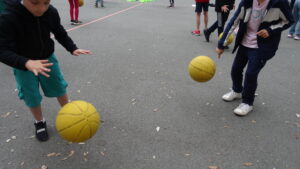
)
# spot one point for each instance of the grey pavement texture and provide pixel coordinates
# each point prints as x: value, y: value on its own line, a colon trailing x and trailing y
x: 137, y: 78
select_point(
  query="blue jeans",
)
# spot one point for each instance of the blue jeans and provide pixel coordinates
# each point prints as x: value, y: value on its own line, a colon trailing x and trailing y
x: 255, y: 63
x: 296, y: 15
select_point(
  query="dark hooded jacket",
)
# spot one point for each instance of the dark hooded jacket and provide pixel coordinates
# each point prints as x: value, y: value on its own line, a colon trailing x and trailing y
x: 24, y: 36
x: 220, y: 3
x: 277, y: 18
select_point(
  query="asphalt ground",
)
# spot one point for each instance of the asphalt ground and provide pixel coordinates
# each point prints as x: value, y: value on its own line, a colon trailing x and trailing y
x: 154, y: 115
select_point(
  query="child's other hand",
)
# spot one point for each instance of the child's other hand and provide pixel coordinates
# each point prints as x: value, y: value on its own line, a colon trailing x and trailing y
x: 78, y: 52
x: 263, y: 33
x: 219, y: 52
x: 38, y: 67
x: 224, y: 8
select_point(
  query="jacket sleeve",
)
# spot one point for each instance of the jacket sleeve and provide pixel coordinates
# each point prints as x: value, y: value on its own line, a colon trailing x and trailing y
x: 232, y: 24
x: 231, y: 4
x: 61, y: 35
x: 8, y: 49
x: 286, y: 19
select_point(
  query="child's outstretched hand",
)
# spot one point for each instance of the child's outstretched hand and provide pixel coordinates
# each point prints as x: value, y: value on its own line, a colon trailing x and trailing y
x: 78, y: 52
x: 219, y: 52
x: 38, y: 67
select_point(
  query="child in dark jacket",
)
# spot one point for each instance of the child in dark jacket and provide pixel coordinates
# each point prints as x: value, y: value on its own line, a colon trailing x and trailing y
x: 260, y: 25
x: 25, y: 45
x: 222, y: 8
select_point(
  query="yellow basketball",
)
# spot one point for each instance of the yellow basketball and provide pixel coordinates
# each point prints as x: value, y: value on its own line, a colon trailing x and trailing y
x: 202, y: 68
x: 77, y: 121
x: 81, y: 2
x: 229, y: 40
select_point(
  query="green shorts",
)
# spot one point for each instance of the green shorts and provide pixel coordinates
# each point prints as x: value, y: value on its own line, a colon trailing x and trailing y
x: 28, y: 84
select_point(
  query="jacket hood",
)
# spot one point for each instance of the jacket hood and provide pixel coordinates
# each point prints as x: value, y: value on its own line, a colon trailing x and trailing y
x: 15, y: 7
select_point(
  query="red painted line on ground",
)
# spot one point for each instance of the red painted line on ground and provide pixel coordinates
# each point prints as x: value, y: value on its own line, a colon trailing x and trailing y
x: 105, y: 17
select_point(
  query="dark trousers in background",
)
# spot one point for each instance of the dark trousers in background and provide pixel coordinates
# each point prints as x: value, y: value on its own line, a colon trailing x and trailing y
x: 255, y: 63
x: 221, y: 20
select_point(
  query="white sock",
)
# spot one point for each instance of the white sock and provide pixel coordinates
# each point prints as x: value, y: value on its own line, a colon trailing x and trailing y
x: 40, y: 120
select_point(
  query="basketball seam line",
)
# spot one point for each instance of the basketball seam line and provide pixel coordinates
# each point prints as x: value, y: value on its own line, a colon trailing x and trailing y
x: 78, y: 107
x: 77, y: 137
x: 202, y: 70
x: 60, y: 114
x: 71, y: 125
x: 211, y: 65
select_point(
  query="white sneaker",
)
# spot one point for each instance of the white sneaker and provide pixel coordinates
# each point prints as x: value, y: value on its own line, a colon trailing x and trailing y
x: 230, y: 96
x: 243, y: 109
x: 290, y: 36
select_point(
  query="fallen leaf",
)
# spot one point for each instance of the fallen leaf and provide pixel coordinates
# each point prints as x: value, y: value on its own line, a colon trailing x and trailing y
x: 69, y: 155
x: 22, y: 163
x: 155, y: 110
x: 44, y: 167
x: 13, y: 137
x: 31, y: 136
x: 51, y: 154
x: 213, y: 167
x: 102, y: 153
x: 248, y: 164
x: 253, y: 121
x: 6, y: 115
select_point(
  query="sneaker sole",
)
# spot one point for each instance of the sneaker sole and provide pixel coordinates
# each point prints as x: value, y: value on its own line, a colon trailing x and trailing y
x: 195, y: 34
x: 241, y: 115
x: 238, y: 98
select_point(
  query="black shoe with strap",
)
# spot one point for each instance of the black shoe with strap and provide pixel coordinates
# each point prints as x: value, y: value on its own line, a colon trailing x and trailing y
x: 206, y: 35
x: 41, y: 131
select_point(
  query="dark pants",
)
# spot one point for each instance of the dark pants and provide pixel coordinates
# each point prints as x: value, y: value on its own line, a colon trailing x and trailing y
x: 221, y: 20
x: 255, y: 64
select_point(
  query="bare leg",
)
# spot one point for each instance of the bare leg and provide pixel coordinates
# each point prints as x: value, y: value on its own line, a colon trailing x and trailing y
x: 205, y: 19
x: 37, y: 112
x: 198, y: 21
x: 63, y: 100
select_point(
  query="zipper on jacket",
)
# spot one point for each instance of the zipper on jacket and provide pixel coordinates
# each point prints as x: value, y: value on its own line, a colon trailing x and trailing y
x: 40, y: 37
